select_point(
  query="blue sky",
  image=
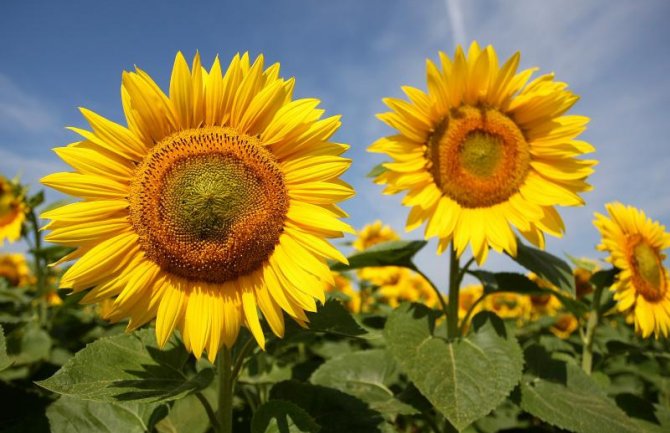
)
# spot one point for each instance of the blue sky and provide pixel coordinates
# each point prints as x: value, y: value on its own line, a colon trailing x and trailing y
x: 57, y: 56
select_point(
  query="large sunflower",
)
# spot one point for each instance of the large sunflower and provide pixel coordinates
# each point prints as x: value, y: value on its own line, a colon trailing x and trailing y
x: 484, y: 151
x: 12, y: 212
x: 635, y: 244
x: 213, y: 202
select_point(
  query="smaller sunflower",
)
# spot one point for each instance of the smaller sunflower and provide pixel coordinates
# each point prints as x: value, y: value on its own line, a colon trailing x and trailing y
x: 343, y: 285
x: 14, y: 269
x: 508, y: 306
x: 543, y: 305
x: 12, y: 211
x: 636, y: 245
x: 373, y: 234
x: 564, y: 326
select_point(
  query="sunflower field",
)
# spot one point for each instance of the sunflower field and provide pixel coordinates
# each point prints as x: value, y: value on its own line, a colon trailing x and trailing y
x: 194, y: 278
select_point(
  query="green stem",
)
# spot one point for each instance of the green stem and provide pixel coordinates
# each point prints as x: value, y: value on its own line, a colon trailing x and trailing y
x: 39, y: 266
x: 224, y: 363
x: 591, y: 325
x: 471, y: 310
x: 244, y: 352
x: 454, y: 274
x: 208, y: 408
x: 435, y: 289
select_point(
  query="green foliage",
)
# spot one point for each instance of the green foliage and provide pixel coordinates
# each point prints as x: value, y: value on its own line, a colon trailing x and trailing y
x: 333, y: 411
x: 282, y: 417
x: 546, y: 266
x: 391, y: 253
x: 518, y: 283
x: 561, y: 394
x: 128, y: 367
x: 464, y: 379
x: 4, y: 359
x: 333, y: 318
x: 366, y: 375
x: 71, y: 415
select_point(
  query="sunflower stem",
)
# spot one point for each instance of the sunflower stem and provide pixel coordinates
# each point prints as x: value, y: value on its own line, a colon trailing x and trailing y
x: 466, y: 319
x: 591, y: 325
x: 454, y: 283
x: 39, y: 266
x: 435, y: 289
x: 224, y: 364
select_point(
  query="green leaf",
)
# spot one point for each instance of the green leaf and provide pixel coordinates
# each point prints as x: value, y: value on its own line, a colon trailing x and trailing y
x: 604, y: 278
x: 652, y: 418
x: 391, y: 253
x: 333, y: 318
x: 563, y: 395
x: 29, y: 344
x: 4, y: 359
x: 282, y: 416
x: 366, y: 375
x: 518, y: 283
x: 546, y: 266
x: 187, y: 415
x: 334, y: 411
x: 128, y: 367
x: 376, y: 170
x: 464, y: 379
x: 71, y: 415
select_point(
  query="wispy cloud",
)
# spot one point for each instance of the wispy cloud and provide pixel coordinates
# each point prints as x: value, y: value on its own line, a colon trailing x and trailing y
x: 456, y: 21
x: 19, y: 109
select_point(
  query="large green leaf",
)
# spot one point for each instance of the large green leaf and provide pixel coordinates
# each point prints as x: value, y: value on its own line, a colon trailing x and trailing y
x: 464, y: 379
x: 561, y: 394
x: 547, y: 266
x: 366, y: 375
x: 71, y: 415
x: 4, y: 359
x: 652, y: 418
x: 392, y: 253
x: 282, y: 417
x: 127, y: 367
x: 333, y: 410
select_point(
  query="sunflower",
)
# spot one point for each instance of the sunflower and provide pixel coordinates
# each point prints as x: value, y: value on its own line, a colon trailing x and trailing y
x: 635, y: 244
x: 545, y: 304
x: 370, y: 235
x: 14, y: 269
x: 12, y: 211
x: 564, y: 326
x: 213, y: 202
x: 508, y: 305
x: 373, y: 234
x: 343, y: 285
x: 484, y: 151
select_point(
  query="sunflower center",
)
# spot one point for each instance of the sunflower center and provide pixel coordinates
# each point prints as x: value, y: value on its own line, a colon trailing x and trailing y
x: 209, y: 204
x: 478, y: 156
x: 648, y: 273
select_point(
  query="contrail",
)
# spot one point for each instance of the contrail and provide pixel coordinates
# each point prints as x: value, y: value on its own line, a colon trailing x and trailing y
x: 456, y: 21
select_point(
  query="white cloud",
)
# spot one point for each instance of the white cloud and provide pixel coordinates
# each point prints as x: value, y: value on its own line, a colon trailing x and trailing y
x: 18, y: 109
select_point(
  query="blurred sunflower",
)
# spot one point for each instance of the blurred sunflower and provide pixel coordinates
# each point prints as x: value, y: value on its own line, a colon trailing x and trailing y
x: 343, y: 285
x: 543, y: 305
x: 484, y: 151
x: 14, y: 269
x: 508, y: 306
x: 213, y: 202
x: 368, y: 236
x: 635, y: 244
x: 564, y: 326
x: 12, y: 211
x: 373, y: 234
